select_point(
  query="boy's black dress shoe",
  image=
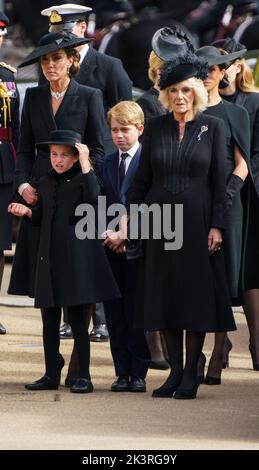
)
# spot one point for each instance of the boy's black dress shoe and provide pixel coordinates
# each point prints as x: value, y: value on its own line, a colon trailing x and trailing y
x: 99, y: 333
x: 65, y: 331
x: 137, y: 384
x: 120, y: 385
x: 2, y: 329
x: 44, y: 383
x: 82, y: 386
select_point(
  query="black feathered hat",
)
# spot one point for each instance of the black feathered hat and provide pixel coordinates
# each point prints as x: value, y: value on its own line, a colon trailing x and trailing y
x: 182, y: 67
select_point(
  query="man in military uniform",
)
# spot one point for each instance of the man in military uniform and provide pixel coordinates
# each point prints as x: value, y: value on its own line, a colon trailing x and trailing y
x: 9, y: 135
x: 98, y: 71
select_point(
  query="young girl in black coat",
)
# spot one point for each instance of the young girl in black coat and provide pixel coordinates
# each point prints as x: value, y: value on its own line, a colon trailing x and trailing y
x: 68, y: 265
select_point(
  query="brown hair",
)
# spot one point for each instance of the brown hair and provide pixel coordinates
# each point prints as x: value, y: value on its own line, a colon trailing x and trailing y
x: 126, y: 113
x: 75, y: 67
x: 155, y: 64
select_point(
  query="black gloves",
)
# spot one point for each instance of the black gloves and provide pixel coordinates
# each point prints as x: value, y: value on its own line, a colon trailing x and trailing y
x: 235, y: 183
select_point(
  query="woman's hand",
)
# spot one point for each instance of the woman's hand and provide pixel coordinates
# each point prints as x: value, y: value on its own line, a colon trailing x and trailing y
x: 84, y: 159
x: 30, y: 195
x: 115, y: 241
x: 214, y: 240
x: 19, y: 210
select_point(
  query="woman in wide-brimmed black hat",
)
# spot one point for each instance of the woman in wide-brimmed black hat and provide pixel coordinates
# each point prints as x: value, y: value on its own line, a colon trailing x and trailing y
x: 61, y: 103
x: 237, y: 128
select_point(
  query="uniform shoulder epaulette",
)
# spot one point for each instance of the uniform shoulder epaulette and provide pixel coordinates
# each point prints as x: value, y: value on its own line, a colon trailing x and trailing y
x: 8, y: 67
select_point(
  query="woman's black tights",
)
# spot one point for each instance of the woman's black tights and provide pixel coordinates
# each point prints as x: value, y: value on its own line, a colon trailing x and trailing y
x: 186, y: 376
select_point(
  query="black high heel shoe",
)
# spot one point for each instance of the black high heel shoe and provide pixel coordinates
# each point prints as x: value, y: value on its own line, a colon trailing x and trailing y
x: 200, y: 368
x: 255, y: 361
x: 214, y: 379
x: 227, y: 348
x: 168, y: 388
x: 186, y: 394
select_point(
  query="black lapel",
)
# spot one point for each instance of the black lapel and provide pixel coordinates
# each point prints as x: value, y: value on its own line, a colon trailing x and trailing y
x: 44, y: 107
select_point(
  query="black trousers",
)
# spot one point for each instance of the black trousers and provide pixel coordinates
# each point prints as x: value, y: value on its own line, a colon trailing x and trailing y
x: 129, y: 347
x: 51, y: 322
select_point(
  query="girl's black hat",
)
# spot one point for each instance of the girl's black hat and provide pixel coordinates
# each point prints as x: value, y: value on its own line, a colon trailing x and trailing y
x: 61, y: 137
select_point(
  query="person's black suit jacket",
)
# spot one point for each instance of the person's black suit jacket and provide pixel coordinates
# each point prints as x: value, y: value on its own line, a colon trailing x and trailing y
x: 81, y: 110
x: 116, y: 194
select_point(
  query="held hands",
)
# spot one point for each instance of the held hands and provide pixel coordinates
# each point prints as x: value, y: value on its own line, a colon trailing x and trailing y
x: 19, y: 210
x: 84, y: 159
x: 30, y: 195
x: 115, y: 241
x: 214, y: 240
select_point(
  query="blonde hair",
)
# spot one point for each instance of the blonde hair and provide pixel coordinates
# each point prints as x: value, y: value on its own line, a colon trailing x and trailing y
x: 126, y: 112
x: 155, y: 64
x: 244, y: 79
x: 200, y: 92
x: 75, y: 67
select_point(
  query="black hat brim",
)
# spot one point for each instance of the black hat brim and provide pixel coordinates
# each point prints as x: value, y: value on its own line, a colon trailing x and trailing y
x: 34, y: 56
x: 45, y: 145
x: 222, y: 59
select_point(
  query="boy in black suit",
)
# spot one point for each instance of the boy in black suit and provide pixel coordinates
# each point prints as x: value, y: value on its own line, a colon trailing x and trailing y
x: 128, y: 346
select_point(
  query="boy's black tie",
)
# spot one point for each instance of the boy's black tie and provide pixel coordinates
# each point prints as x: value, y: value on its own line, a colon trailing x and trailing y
x: 122, y: 167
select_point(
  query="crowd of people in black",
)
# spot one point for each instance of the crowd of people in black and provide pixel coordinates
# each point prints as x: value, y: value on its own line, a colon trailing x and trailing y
x: 190, y: 142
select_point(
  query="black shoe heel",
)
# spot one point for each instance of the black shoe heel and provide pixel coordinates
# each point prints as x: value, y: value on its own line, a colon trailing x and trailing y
x: 200, y: 368
x: 212, y: 380
x: 186, y: 394
x: 227, y: 348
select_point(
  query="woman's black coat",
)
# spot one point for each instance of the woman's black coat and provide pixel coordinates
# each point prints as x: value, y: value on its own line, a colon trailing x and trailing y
x: 68, y: 268
x: 81, y: 110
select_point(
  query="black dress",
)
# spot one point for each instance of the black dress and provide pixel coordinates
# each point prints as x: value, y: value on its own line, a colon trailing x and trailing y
x: 184, y: 288
x: 250, y: 194
x: 237, y: 131
x: 9, y: 136
x: 68, y: 268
